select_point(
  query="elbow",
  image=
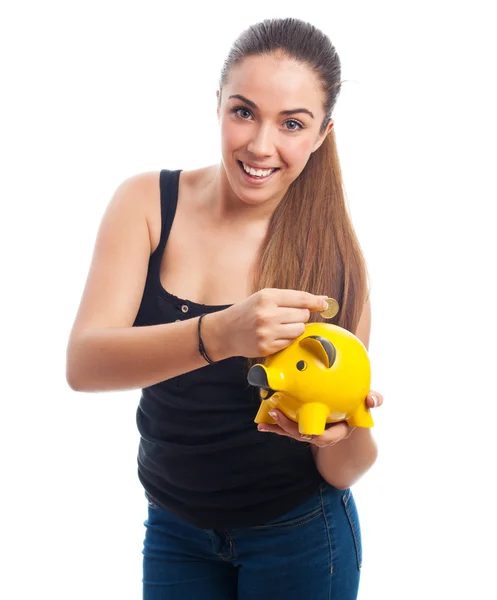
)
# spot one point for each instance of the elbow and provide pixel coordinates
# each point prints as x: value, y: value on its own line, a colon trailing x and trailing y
x: 79, y: 383
x: 347, y: 477
x: 72, y: 378
x: 74, y: 361
x: 345, y: 480
x: 71, y: 375
x: 79, y: 380
x: 342, y: 487
x: 75, y: 387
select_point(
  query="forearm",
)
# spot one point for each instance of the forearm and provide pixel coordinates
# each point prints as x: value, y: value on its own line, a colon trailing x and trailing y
x: 122, y: 358
x: 344, y: 463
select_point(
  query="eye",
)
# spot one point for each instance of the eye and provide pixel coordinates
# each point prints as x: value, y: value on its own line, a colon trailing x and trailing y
x: 298, y: 123
x: 239, y: 109
x: 301, y: 365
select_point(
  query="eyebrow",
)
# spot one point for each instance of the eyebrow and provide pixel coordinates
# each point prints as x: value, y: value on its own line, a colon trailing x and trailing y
x: 283, y: 112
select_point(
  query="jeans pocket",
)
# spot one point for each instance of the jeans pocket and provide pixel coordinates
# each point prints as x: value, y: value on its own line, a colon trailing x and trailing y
x: 353, y: 518
x: 302, y: 514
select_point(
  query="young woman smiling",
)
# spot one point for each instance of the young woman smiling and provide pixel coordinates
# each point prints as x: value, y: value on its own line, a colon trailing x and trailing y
x: 196, y: 275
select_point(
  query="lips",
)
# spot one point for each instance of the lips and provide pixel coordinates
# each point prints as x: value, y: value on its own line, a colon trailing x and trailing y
x: 258, y: 168
x: 254, y: 180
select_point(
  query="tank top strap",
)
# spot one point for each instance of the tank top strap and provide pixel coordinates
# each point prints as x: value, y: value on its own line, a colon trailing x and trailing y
x: 169, y: 187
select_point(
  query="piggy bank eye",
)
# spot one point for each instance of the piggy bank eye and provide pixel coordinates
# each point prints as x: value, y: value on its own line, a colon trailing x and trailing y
x: 301, y: 365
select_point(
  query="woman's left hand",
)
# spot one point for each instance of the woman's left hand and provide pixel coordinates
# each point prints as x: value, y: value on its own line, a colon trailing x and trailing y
x: 333, y: 433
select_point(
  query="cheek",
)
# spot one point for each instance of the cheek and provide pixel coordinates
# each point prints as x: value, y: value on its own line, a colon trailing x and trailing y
x: 297, y: 153
x: 304, y: 147
x: 231, y: 135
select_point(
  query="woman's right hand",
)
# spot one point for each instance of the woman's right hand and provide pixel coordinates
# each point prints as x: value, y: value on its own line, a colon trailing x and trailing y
x: 260, y: 325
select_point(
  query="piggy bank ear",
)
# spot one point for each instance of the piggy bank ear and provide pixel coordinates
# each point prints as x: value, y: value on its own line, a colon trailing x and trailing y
x: 322, y: 348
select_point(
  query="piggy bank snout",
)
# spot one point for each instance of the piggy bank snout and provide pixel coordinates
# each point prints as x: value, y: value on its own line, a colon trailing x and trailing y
x: 257, y: 376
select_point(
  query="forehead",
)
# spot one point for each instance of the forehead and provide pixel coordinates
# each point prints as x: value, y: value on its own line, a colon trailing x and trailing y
x: 281, y: 83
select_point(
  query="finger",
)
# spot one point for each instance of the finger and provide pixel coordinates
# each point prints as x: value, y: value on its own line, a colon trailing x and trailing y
x: 332, y: 435
x: 280, y: 344
x: 288, y: 331
x: 374, y: 399
x: 300, y: 299
x: 293, y: 315
x: 285, y: 423
x: 318, y: 440
x: 339, y: 431
x: 266, y: 427
x: 289, y: 427
x: 284, y: 335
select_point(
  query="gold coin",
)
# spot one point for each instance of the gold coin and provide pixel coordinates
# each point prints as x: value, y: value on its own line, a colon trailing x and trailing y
x: 332, y: 309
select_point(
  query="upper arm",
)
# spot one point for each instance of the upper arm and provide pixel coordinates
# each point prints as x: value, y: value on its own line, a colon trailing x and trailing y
x: 118, y: 269
x: 363, y: 329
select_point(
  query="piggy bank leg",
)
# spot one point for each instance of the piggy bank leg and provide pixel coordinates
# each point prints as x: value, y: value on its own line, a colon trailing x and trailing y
x: 361, y: 417
x: 263, y: 415
x: 312, y: 418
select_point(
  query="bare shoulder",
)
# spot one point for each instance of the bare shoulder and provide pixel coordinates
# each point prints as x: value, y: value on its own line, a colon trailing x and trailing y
x: 139, y: 186
x: 118, y: 268
x: 141, y: 193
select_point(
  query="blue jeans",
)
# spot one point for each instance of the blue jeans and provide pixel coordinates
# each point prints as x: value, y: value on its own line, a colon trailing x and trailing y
x: 312, y: 551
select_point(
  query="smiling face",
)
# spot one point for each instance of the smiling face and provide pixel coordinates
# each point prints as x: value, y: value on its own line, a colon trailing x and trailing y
x: 270, y: 116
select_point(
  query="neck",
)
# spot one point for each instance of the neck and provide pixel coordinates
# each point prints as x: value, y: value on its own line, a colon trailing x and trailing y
x: 226, y: 206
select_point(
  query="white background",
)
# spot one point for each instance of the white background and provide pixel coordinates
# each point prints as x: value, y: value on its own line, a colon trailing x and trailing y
x: 94, y: 92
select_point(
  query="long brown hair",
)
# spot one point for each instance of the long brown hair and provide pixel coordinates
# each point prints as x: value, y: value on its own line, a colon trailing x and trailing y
x: 311, y: 243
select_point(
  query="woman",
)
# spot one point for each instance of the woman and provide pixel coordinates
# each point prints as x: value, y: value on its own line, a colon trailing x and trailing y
x: 197, y: 275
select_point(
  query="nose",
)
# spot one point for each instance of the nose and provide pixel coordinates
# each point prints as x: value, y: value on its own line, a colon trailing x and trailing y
x: 262, y: 143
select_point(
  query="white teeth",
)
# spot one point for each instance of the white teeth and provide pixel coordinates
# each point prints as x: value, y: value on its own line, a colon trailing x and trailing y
x: 257, y: 173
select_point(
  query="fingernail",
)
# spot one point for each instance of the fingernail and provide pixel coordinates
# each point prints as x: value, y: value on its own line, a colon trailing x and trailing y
x: 307, y: 438
x: 274, y: 415
x: 265, y: 430
x: 375, y: 401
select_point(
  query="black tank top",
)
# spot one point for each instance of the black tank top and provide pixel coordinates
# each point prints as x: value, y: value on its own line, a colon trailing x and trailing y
x: 200, y: 454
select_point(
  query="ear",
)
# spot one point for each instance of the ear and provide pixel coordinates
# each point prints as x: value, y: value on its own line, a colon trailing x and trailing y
x: 217, y: 96
x: 322, y: 137
x: 322, y: 349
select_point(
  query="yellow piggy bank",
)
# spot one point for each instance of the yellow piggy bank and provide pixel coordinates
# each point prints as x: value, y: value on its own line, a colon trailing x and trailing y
x: 322, y: 377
